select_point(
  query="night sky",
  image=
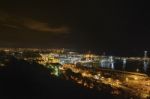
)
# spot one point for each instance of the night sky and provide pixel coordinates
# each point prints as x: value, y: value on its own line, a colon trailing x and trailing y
x: 119, y: 25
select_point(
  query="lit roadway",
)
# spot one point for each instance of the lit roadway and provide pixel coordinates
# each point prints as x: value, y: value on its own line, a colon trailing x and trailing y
x: 134, y: 83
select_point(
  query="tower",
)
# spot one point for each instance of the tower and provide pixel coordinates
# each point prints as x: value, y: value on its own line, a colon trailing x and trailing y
x: 145, y: 54
x: 145, y: 61
x: 124, y: 62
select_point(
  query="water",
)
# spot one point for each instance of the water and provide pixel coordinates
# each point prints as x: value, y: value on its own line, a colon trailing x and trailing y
x: 126, y: 65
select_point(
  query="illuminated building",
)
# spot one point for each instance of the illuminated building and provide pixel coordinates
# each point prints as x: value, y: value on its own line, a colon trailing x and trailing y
x: 107, y: 62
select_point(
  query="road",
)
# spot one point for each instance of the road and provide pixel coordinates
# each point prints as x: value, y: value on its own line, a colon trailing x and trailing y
x: 136, y: 84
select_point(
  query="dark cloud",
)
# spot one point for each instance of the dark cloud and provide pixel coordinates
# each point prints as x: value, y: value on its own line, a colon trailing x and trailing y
x: 19, y: 31
x: 43, y: 26
x: 10, y: 26
x: 30, y: 24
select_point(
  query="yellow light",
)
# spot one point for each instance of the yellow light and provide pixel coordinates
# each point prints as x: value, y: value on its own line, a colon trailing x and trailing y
x: 117, y: 82
x: 135, y: 78
x: 127, y: 79
x: 109, y: 79
x: 84, y: 74
x: 102, y: 78
x: 148, y: 83
x: 99, y: 74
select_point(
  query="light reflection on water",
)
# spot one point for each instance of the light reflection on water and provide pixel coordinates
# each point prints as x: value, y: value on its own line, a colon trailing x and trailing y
x: 125, y: 65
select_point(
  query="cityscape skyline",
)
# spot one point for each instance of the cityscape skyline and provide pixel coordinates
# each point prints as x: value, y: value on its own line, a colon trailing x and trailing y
x: 101, y: 75
x: 74, y: 49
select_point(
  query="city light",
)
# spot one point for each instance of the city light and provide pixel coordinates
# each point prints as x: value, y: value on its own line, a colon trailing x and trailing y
x: 93, y: 71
